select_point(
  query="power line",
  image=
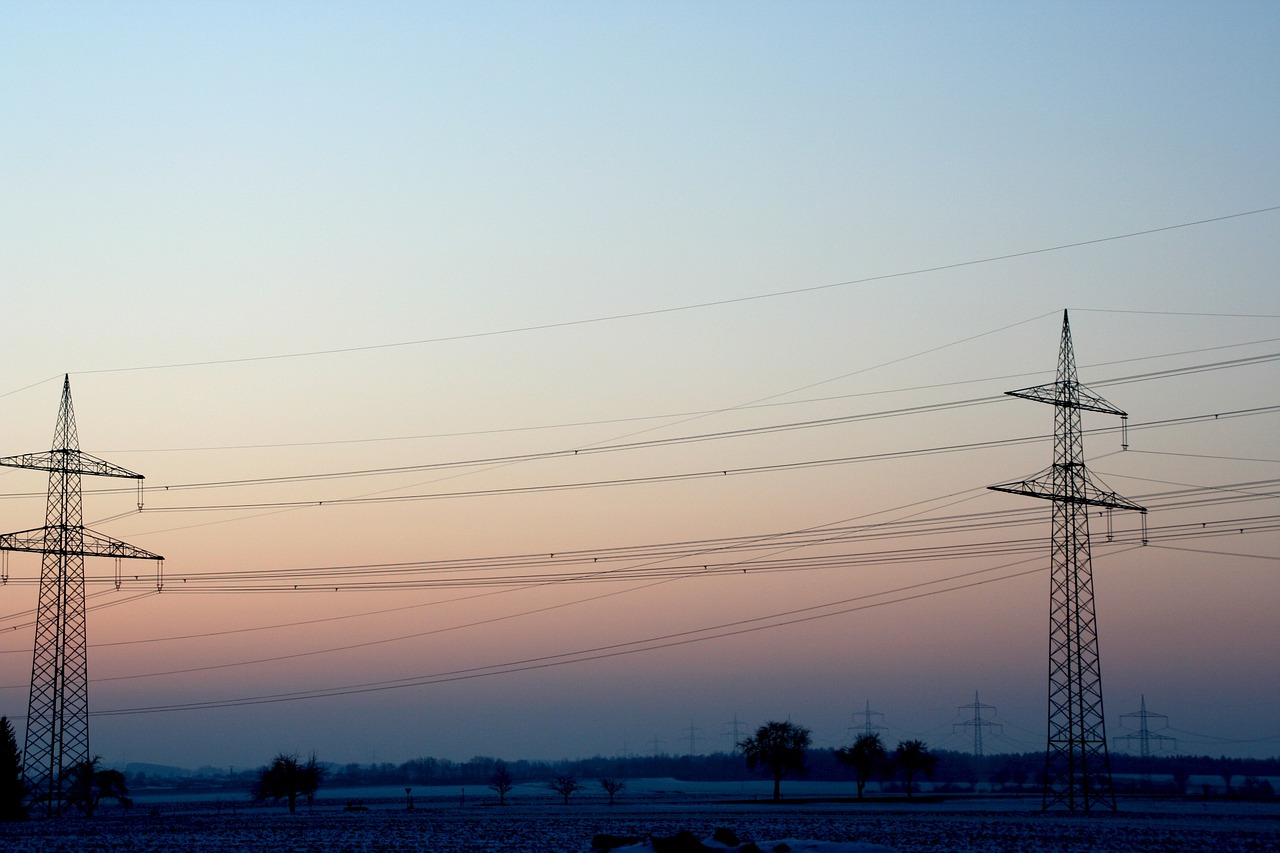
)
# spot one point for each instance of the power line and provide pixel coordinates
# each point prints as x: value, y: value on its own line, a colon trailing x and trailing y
x: 716, y: 556
x: 487, y: 670
x: 594, y: 449
x: 384, y: 641
x: 421, y: 579
x: 671, y: 441
x: 702, y: 305
x: 686, y: 475
x: 596, y: 653
x: 684, y: 545
x: 1032, y: 545
x: 1242, y: 497
x: 681, y: 415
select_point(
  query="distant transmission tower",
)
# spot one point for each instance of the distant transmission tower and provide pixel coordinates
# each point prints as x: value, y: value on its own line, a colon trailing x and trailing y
x: 693, y: 738
x: 1144, y: 735
x: 977, y: 723
x: 1077, y: 765
x: 57, y: 738
x: 868, y: 727
x: 737, y: 733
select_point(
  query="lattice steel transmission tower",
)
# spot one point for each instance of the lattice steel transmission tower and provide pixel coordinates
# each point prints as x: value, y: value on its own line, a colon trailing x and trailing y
x: 868, y: 727
x: 57, y: 738
x: 1144, y: 735
x: 978, y: 723
x: 1077, y: 764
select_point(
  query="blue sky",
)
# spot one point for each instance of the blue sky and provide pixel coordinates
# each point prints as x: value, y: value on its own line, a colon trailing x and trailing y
x: 287, y: 239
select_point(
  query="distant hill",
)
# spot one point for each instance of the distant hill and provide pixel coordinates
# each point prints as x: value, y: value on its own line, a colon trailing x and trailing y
x: 155, y: 771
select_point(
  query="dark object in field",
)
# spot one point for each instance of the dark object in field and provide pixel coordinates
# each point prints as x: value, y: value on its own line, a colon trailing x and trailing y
x: 603, y: 842
x: 683, y: 841
x: 726, y: 836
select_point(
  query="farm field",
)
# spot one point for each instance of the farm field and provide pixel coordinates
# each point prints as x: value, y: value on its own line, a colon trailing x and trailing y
x: 538, y: 825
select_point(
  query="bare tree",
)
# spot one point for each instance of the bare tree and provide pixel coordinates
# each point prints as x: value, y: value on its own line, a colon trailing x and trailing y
x: 89, y: 786
x: 780, y: 747
x: 1181, y: 776
x: 912, y: 757
x: 565, y: 786
x: 286, y: 779
x: 866, y: 757
x: 1227, y: 770
x: 501, y: 782
x: 612, y: 787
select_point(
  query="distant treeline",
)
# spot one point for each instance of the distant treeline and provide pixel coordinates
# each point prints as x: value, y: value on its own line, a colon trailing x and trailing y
x: 954, y: 770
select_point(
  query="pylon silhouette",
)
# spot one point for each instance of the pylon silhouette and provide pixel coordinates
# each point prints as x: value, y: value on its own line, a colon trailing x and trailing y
x: 1144, y: 735
x: 977, y: 723
x: 57, y: 737
x: 1077, y: 764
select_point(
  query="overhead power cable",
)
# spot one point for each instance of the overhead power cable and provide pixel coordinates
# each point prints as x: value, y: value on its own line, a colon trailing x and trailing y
x: 916, y: 555
x: 830, y: 557
x: 649, y: 644
x: 695, y: 475
x: 990, y: 259
x: 675, y: 440
x: 827, y: 546
x: 767, y: 404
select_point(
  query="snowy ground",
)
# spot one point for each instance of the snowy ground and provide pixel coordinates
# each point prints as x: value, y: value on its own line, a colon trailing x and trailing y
x: 446, y: 822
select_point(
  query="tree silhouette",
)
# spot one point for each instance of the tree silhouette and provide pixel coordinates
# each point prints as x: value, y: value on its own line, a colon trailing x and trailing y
x: 912, y: 757
x: 286, y: 779
x: 1227, y: 770
x: 564, y: 786
x: 780, y: 747
x: 612, y: 787
x: 866, y: 756
x: 1181, y: 775
x: 88, y: 786
x: 501, y: 782
x: 12, y: 792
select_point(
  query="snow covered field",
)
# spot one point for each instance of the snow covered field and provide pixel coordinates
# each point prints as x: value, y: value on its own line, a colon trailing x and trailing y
x: 443, y: 822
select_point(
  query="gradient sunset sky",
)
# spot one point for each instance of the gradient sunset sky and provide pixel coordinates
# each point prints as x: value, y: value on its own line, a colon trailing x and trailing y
x: 574, y: 360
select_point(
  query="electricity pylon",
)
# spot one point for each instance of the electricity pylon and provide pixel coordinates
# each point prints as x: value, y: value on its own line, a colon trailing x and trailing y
x: 57, y: 738
x: 1077, y: 765
x: 868, y: 727
x: 978, y: 723
x: 693, y: 738
x: 1144, y: 735
x: 737, y: 733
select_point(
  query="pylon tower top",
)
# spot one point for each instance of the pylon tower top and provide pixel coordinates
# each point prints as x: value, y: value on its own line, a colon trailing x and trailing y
x: 1070, y: 398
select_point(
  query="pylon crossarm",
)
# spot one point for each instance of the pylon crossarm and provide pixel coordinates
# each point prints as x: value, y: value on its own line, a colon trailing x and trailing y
x: 92, y: 544
x: 1075, y: 395
x: 1091, y: 402
x: 100, y: 545
x: 1093, y: 497
x: 1039, y: 393
x: 23, y: 540
x: 69, y: 461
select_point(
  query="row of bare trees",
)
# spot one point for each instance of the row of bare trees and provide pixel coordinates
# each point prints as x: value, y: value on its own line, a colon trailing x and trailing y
x: 778, y: 747
x: 781, y: 748
x: 868, y: 757
x: 565, y: 784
